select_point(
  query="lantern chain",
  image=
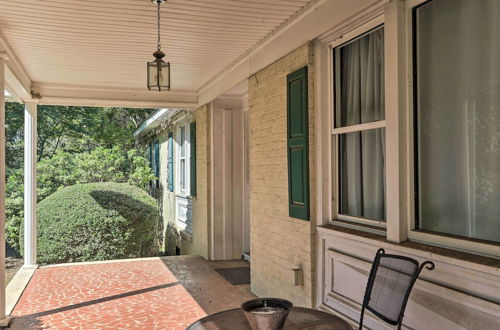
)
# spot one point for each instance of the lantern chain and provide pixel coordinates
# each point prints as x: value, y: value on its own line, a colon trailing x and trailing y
x: 159, y: 37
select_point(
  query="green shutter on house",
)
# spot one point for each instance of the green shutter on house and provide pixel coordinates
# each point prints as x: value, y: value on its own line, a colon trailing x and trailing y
x: 298, y: 145
x: 157, y: 163
x: 170, y: 162
x: 150, y: 159
x: 192, y: 160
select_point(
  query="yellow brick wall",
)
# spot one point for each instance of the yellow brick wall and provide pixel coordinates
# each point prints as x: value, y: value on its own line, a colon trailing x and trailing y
x: 278, y: 243
x: 198, y: 244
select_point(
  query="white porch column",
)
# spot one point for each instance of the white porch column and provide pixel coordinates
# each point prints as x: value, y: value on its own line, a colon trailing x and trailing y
x: 2, y: 187
x: 30, y: 160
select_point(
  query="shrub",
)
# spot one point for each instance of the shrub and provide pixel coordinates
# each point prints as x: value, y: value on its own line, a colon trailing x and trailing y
x: 97, y: 221
x: 66, y: 169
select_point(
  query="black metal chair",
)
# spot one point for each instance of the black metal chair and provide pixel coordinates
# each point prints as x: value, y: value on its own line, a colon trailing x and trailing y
x: 389, y: 285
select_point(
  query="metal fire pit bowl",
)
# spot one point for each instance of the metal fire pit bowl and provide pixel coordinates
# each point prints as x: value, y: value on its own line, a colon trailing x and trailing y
x: 267, y: 313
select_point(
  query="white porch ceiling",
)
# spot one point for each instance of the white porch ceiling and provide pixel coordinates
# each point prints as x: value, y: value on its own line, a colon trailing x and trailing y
x: 107, y: 43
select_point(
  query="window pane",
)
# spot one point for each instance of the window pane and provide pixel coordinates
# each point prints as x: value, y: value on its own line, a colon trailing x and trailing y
x: 183, y: 174
x: 362, y: 174
x: 183, y: 140
x: 359, y: 81
x: 458, y: 117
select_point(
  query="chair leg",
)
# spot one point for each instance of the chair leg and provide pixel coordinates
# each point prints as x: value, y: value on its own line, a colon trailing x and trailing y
x: 361, y: 318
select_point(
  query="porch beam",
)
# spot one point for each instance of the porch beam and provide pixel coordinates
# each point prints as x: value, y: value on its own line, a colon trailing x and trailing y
x: 16, y: 78
x: 30, y: 198
x: 14, y: 85
x: 117, y: 103
x: 103, y: 96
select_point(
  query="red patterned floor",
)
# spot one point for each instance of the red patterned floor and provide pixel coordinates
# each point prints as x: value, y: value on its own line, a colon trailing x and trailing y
x: 167, y: 293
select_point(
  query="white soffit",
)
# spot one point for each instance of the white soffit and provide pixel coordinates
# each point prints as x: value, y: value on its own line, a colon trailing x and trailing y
x: 72, y: 43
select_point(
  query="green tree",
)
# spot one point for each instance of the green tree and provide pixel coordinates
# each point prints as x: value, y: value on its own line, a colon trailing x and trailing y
x: 72, y: 129
x: 115, y: 126
x: 75, y: 145
x: 67, y: 169
x: 14, y: 136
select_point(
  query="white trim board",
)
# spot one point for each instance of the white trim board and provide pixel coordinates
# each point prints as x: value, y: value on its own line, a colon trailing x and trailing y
x: 17, y: 79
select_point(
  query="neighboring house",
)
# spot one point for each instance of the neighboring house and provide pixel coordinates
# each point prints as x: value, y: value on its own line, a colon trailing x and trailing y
x: 379, y: 130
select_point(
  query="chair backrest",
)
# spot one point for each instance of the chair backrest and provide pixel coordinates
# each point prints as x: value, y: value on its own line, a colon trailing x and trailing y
x: 389, y: 285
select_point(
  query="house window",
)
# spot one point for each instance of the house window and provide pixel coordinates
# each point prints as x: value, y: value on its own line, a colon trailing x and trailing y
x: 182, y: 158
x: 183, y: 193
x: 457, y: 118
x: 359, y: 128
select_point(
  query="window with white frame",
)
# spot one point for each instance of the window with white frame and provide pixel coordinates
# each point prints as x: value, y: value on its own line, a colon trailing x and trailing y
x: 456, y: 48
x: 182, y: 157
x: 359, y: 128
x: 182, y: 160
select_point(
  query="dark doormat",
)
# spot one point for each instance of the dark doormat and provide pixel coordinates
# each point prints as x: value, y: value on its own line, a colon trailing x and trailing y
x: 235, y: 275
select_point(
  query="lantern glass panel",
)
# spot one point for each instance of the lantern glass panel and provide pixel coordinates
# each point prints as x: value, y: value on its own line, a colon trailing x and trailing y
x: 158, y: 75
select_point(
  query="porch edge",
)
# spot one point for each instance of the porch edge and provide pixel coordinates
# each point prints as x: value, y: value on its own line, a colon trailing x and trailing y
x: 15, y: 289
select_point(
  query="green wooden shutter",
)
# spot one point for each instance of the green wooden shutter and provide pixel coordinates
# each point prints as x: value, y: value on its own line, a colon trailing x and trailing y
x: 192, y: 160
x: 170, y: 162
x: 157, y: 163
x: 150, y: 159
x: 298, y: 145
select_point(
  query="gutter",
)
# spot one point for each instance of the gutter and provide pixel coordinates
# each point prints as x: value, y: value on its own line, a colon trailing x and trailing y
x: 155, y: 120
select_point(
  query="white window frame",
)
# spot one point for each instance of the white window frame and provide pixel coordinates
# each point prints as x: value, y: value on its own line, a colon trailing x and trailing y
x: 183, y: 196
x: 400, y: 203
x: 336, y: 132
x: 439, y: 239
x: 179, y: 190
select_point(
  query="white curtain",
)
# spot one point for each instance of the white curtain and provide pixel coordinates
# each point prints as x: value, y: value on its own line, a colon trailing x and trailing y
x: 458, y: 96
x: 362, y: 154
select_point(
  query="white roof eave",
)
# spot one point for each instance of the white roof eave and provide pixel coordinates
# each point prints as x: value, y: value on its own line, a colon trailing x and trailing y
x: 151, y: 122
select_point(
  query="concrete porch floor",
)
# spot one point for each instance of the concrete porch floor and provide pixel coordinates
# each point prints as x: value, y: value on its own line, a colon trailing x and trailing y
x: 154, y: 293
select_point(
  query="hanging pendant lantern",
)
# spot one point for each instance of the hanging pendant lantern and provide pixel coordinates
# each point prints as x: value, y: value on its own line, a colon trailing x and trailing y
x: 158, y: 69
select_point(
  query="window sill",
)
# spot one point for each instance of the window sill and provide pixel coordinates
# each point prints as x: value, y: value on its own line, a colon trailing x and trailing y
x: 452, y: 242
x: 187, y: 236
x: 360, y: 227
x: 182, y: 195
x: 480, y: 263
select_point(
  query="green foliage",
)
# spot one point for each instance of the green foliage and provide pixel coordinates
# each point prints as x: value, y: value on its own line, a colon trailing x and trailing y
x: 14, y: 142
x: 97, y: 221
x: 67, y: 169
x: 72, y: 129
x: 14, y: 208
x: 74, y: 145
x: 114, y: 126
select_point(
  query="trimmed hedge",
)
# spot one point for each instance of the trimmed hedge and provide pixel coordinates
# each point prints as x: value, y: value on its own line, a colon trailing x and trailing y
x: 97, y: 221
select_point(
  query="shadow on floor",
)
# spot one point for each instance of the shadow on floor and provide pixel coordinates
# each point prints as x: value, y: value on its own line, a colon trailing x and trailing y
x: 32, y: 321
x: 164, y: 293
x: 210, y: 290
